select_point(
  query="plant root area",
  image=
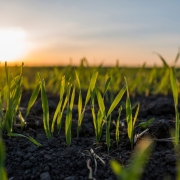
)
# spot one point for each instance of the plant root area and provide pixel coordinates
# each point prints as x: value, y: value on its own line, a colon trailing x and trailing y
x: 86, y: 158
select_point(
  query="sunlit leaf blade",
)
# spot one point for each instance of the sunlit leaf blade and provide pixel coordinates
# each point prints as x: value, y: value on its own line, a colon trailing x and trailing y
x: 45, y: 108
x: 59, y: 111
x: 3, y: 174
x: 100, y: 101
x: 116, y: 100
x: 136, y: 114
x: 33, y: 98
x: 68, y: 126
x: 106, y: 85
x: 99, y: 121
x: 77, y: 79
x: 62, y: 87
x: 174, y: 86
x: 136, y: 167
x: 80, y: 113
x: 72, y: 98
x: 129, y: 119
x: 162, y: 59
x: 108, y: 140
x: 117, y: 168
x: 91, y: 86
x: 139, y: 159
x: 27, y: 137
x: 117, y: 125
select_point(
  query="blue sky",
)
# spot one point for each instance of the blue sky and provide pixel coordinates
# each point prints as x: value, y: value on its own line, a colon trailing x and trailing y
x: 101, y: 30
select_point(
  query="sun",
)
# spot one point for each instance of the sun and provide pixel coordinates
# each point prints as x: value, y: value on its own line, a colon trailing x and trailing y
x: 12, y: 44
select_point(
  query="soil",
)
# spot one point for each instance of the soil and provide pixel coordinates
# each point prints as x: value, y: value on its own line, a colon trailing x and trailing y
x: 54, y: 160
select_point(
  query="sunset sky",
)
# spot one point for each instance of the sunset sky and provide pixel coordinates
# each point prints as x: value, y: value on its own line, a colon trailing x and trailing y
x: 44, y: 32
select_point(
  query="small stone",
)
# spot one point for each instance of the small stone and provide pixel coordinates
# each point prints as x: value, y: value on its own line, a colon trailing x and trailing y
x: 46, y: 169
x: 45, y: 176
x: 47, y: 157
x: 27, y: 156
x: 170, y: 158
x: 70, y: 178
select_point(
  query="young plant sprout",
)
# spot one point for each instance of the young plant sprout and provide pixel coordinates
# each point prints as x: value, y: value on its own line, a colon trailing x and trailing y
x: 3, y: 175
x: 117, y: 125
x: 103, y: 116
x: 60, y: 107
x: 146, y: 124
x: 81, y: 110
x: 129, y: 117
x: 135, y: 168
x: 68, y: 123
x: 174, y: 87
x: 45, y: 108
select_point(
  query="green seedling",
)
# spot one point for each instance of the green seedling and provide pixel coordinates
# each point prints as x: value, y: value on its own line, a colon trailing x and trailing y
x: 117, y: 125
x: 91, y: 87
x: 106, y: 117
x: 3, y: 174
x: 27, y: 137
x: 135, y: 169
x: 33, y: 98
x: 146, y: 124
x: 130, y: 121
x: 60, y: 107
x: 68, y: 123
x: 45, y: 108
x: 174, y: 87
x: 11, y: 93
x: 97, y: 119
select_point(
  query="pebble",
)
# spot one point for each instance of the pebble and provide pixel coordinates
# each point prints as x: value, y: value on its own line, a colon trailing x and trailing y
x: 45, y: 176
x: 170, y: 158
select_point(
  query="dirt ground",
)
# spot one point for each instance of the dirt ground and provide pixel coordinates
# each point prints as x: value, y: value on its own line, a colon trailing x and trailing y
x: 54, y: 160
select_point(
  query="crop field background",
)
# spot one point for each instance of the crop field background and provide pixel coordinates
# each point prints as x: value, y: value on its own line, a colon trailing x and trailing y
x: 102, y: 90
x: 142, y: 80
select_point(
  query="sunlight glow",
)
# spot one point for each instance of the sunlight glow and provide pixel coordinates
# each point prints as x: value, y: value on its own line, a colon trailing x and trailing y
x: 12, y: 44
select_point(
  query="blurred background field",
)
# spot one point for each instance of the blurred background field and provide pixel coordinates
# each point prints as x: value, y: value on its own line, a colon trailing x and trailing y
x: 142, y: 80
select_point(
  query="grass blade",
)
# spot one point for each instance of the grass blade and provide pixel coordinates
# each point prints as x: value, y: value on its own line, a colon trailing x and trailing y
x: 100, y: 101
x: 106, y: 86
x: 116, y: 100
x: 27, y: 137
x: 33, y: 99
x: 91, y: 86
x: 45, y: 108
x: 162, y: 59
x: 3, y: 175
x: 174, y: 87
x: 136, y: 114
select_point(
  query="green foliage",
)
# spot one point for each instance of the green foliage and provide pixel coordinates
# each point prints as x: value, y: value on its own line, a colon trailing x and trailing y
x: 129, y: 117
x: 146, y: 124
x: 88, y: 96
x: 33, y: 98
x: 11, y: 93
x: 60, y: 107
x: 45, y: 108
x: 101, y: 115
x: 117, y: 125
x: 68, y: 123
x: 3, y: 175
x: 27, y: 137
x: 174, y: 87
x: 135, y: 168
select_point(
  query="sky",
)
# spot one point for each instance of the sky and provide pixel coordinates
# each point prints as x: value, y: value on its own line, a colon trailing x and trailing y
x: 59, y: 32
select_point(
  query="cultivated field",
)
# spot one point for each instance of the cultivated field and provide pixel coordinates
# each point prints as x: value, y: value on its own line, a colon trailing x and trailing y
x: 89, y: 122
